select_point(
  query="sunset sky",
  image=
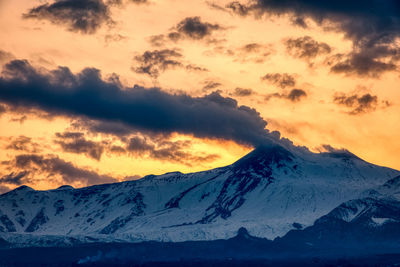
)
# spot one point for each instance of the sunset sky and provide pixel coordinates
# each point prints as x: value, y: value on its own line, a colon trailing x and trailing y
x: 97, y: 91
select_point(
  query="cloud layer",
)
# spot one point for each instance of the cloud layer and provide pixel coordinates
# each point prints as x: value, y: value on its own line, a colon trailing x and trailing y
x: 84, y: 16
x: 53, y: 167
x: 359, y: 103
x: 85, y: 94
x: 371, y: 25
x: 281, y: 80
x: 193, y: 28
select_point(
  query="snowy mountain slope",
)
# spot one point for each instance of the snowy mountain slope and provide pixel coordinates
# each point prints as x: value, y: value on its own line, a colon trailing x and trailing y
x: 370, y: 221
x: 269, y: 192
x: 374, y: 208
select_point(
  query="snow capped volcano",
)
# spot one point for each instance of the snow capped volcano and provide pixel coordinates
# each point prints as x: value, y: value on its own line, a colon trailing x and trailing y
x: 270, y: 191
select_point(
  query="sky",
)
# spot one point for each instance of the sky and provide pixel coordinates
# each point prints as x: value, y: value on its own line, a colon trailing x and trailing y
x: 100, y: 91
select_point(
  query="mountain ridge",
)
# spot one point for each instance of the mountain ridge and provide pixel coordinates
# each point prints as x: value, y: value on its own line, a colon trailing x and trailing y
x: 270, y: 191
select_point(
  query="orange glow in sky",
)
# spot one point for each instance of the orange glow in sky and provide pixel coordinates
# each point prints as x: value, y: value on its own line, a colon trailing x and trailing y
x: 231, y: 56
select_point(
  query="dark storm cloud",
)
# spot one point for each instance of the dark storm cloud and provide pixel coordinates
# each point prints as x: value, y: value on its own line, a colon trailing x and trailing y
x: 51, y: 166
x: 119, y: 150
x: 299, y: 21
x: 234, y: 7
x: 107, y: 127
x: 22, y: 143
x: 158, y: 146
x: 358, y: 18
x: 14, y: 178
x: 166, y: 150
x: 193, y: 28
x: 210, y: 85
x: 370, y: 24
x: 192, y: 67
x: 154, y: 62
x: 85, y: 94
x: 295, y: 95
x: 242, y: 92
x: 238, y: 8
x: 139, y: 144
x: 190, y: 28
x: 363, y: 64
x: 281, y: 80
x: 19, y: 69
x: 2, y: 110
x: 75, y: 142
x: 306, y: 47
x: 84, y: 16
x: 359, y: 103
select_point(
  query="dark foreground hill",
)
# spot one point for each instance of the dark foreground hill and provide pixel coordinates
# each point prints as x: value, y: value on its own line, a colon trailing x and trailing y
x: 242, y: 250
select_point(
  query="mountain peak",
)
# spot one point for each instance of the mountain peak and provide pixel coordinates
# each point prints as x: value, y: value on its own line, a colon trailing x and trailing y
x: 65, y: 187
x: 264, y: 156
x: 243, y: 232
x: 23, y: 188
